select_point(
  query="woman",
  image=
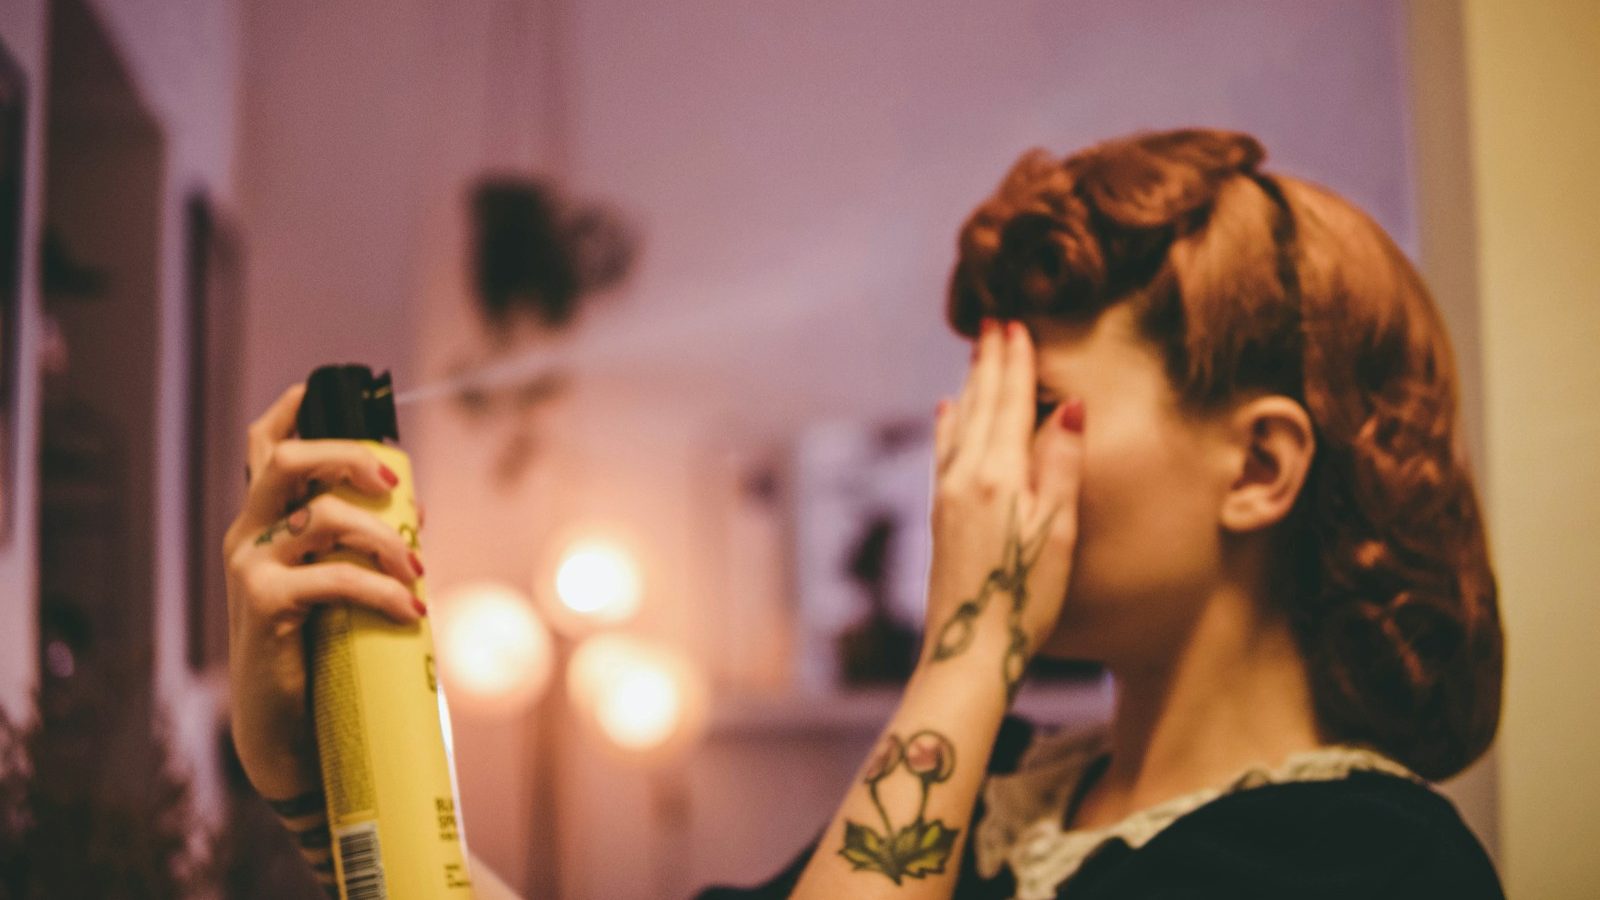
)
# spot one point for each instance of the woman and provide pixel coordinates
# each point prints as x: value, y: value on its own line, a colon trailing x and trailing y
x: 1207, y: 440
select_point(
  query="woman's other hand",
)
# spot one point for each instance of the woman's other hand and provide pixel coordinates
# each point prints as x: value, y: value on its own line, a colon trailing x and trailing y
x: 1004, y: 527
x: 271, y: 551
x: 1005, y: 510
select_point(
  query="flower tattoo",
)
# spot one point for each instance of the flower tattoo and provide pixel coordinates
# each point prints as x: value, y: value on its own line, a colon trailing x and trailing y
x: 920, y: 848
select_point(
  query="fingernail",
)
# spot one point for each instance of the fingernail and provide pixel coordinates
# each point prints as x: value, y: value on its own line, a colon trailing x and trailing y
x: 419, y: 606
x: 1013, y: 329
x: 988, y: 326
x: 389, y: 475
x: 416, y: 564
x: 1072, y: 415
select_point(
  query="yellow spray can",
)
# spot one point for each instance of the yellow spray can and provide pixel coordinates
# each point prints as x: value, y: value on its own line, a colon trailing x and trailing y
x: 381, y: 722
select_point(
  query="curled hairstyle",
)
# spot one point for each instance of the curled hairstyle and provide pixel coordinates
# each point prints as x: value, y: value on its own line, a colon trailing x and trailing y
x: 1251, y: 283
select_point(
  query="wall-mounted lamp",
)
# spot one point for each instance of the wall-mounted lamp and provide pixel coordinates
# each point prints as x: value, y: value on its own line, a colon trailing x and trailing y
x: 645, y: 699
x: 496, y: 655
x: 599, y: 581
x: 589, y: 580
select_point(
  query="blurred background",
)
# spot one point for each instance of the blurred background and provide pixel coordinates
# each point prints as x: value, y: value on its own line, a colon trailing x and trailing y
x: 661, y: 289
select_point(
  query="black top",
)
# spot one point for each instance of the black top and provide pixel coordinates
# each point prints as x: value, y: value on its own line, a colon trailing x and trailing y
x: 1369, y: 835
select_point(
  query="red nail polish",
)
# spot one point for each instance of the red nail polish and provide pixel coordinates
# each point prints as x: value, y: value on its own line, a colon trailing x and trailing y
x: 389, y: 475
x: 988, y: 326
x: 1013, y: 329
x: 419, y: 606
x: 1072, y: 415
x: 416, y: 564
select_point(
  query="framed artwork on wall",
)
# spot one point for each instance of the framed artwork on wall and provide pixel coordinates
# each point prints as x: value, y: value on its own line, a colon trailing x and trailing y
x: 214, y: 299
x: 863, y: 493
x: 13, y: 148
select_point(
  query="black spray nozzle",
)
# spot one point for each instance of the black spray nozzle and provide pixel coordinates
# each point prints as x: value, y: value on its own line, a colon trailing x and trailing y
x: 348, y: 402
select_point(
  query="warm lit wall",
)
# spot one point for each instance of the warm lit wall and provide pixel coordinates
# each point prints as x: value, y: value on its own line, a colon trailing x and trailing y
x: 1533, y: 75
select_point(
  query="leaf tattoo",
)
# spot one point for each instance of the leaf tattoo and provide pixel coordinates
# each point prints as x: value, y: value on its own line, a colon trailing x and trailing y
x: 920, y: 848
x: 1009, y: 577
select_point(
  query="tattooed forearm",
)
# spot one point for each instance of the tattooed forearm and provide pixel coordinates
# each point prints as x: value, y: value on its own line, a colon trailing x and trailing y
x: 919, y: 848
x: 1010, y: 577
x: 306, y: 818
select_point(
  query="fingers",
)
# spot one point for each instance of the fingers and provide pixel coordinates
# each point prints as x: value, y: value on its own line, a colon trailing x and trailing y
x: 994, y: 417
x: 329, y: 523
x: 1057, y: 467
x: 285, y: 475
x: 327, y: 582
x: 975, y: 409
x: 1014, y: 411
x: 274, y: 425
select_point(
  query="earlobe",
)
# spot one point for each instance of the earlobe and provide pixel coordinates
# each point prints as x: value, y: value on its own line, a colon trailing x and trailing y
x: 1273, y: 446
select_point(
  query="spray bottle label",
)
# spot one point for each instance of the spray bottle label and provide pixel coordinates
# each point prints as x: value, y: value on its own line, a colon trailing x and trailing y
x: 386, y: 764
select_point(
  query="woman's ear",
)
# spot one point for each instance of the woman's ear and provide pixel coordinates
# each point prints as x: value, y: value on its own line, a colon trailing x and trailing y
x: 1273, y: 443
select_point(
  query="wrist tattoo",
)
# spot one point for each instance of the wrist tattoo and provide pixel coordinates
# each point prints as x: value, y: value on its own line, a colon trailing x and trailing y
x: 314, y: 838
x: 1010, y: 577
x: 311, y: 834
x: 920, y: 848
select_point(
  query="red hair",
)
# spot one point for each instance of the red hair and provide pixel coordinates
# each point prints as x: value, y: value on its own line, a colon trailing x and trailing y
x: 1247, y: 283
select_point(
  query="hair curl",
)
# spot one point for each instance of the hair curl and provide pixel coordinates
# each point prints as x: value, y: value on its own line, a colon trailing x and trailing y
x: 1249, y: 282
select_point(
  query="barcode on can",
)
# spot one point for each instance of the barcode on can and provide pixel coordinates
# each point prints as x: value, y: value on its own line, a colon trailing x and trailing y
x: 361, y: 863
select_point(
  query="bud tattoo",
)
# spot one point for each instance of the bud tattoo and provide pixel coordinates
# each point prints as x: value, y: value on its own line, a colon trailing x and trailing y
x: 918, y: 849
x: 1010, y: 578
x: 295, y: 523
x: 298, y: 517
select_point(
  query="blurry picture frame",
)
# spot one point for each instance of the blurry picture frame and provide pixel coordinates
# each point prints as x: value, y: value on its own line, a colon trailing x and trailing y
x: 214, y: 271
x: 862, y: 545
x: 13, y: 182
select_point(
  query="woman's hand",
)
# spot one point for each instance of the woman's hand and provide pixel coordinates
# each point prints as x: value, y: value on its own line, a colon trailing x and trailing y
x: 1004, y: 527
x: 274, y: 581
x: 1005, y: 510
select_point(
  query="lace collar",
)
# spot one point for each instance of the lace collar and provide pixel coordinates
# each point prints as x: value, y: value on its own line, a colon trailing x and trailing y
x: 1021, y: 825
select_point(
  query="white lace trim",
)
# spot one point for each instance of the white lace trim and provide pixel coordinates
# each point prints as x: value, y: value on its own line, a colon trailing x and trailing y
x: 1023, y: 811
